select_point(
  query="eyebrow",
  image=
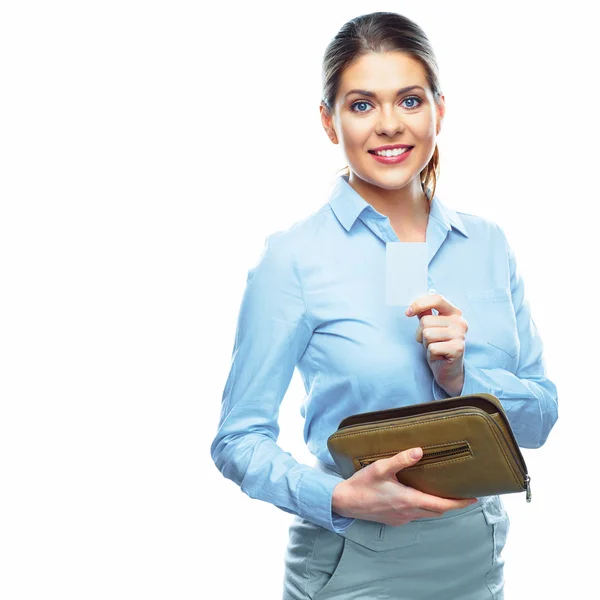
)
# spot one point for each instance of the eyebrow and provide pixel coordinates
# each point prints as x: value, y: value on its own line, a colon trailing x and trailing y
x: 374, y: 95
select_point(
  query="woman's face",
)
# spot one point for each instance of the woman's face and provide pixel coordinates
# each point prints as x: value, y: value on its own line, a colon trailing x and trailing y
x: 362, y: 121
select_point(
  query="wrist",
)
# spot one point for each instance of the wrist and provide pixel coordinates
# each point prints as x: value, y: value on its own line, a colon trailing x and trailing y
x: 338, y: 500
x: 456, y: 386
x: 454, y: 390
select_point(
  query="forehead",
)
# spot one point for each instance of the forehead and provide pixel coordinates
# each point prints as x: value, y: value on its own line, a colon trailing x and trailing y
x: 383, y: 72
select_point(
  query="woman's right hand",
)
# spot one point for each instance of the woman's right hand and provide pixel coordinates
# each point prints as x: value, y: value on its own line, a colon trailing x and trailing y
x: 374, y: 494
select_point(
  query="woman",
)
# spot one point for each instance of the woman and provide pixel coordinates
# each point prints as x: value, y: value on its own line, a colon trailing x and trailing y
x: 316, y: 301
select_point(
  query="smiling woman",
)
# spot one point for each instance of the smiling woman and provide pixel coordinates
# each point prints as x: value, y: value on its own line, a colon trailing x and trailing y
x: 316, y: 301
x: 359, y: 117
x: 384, y: 86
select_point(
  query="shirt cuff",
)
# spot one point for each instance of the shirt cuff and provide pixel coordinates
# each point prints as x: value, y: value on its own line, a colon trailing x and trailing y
x: 473, y: 384
x: 315, y: 500
x: 477, y: 383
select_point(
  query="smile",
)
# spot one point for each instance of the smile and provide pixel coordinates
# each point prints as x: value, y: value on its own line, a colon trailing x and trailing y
x: 394, y: 152
x: 388, y: 157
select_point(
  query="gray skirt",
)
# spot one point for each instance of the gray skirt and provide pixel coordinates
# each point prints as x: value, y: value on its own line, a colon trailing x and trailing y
x: 457, y: 556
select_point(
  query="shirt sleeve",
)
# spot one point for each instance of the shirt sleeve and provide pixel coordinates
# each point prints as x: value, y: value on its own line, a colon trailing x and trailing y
x: 272, y: 333
x: 529, y: 398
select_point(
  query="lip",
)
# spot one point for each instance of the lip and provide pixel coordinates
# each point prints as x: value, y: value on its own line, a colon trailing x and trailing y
x: 391, y: 160
x: 390, y: 147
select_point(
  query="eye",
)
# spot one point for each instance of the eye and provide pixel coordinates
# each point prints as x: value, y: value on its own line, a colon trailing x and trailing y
x: 353, y: 109
x: 413, y: 98
x: 412, y: 106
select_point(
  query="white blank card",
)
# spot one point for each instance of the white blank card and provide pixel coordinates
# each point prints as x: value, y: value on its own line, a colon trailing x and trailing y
x: 405, y: 272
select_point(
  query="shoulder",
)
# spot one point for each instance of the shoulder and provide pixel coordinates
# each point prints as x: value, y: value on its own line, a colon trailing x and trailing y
x: 294, y: 238
x: 283, y: 246
x: 477, y: 222
x: 483, y: 229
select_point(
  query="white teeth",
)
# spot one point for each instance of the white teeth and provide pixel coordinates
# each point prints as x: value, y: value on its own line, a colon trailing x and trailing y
x: 394, y: 152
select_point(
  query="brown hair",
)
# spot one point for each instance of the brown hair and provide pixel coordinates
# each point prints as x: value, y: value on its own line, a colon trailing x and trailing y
x: 381, y: 32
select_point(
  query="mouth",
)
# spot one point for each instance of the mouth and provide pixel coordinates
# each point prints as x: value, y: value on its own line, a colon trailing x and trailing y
x: 391, y: 156
x: 395, y: 150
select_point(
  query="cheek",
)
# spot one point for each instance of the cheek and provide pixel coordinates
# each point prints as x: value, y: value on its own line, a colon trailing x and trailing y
x: 356, y: 134
x: 423, y: 123
x: 424, y: 129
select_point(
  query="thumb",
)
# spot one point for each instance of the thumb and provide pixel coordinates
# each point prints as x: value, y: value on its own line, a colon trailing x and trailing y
x: 402, y: 460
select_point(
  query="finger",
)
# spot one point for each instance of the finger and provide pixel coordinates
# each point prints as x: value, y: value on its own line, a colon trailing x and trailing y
x: 428, y: 514
x: 439, y: 328
x: 438, y: 333
x: 452, y: 321
x: 432, y: 301
x: 419, y: 332
x: 423, y: 513
x: 388, y: 467
x: 439, y: 504
x: 448, y: 350
x: 426, y: 320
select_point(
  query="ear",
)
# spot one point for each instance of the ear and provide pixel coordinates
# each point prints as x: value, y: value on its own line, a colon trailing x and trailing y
x: 441, y: 111
x: 327, y: 122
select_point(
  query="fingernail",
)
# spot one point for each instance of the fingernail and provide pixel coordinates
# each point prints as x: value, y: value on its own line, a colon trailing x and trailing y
x: 414, y: 453
x: 409, y: 311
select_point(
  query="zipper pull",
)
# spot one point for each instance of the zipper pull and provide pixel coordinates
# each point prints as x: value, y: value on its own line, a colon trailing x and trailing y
x: 528, y: 488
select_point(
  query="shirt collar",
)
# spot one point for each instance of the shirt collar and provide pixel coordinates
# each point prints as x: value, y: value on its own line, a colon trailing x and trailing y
x: 348, y: 204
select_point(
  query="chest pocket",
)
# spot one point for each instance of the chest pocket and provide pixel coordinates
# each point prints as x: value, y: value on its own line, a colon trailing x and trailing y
x: 496, y: 323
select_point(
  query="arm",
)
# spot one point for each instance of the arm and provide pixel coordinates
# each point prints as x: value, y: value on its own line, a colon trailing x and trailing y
x: 529, y: 398
x: 272, y: 334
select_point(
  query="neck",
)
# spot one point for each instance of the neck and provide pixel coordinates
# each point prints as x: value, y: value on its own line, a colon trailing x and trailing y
x: 408, y: 205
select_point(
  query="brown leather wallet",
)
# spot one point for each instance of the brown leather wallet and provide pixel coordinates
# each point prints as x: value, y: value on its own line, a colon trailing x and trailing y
x: 469, y: 448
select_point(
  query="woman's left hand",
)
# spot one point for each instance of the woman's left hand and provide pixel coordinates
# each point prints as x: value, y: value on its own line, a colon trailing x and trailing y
x: 443, y: 336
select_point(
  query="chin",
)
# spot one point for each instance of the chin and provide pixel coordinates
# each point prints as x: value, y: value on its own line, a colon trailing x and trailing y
x: 394, y: 178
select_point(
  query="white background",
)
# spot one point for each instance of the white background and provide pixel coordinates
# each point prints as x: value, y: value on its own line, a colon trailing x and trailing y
x: 147, y: 150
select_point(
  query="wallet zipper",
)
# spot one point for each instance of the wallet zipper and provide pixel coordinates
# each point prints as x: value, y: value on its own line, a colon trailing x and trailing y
x: 444, y: 453
x: 435, y: 454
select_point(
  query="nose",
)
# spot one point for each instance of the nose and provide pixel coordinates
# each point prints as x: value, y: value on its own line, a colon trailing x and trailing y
x: 389, y: 122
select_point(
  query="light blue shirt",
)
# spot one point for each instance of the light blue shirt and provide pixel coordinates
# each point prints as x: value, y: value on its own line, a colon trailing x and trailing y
x: 315, y: 301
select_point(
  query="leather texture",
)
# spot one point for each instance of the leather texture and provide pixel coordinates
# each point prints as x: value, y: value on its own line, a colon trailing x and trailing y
x: 469, y: 448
